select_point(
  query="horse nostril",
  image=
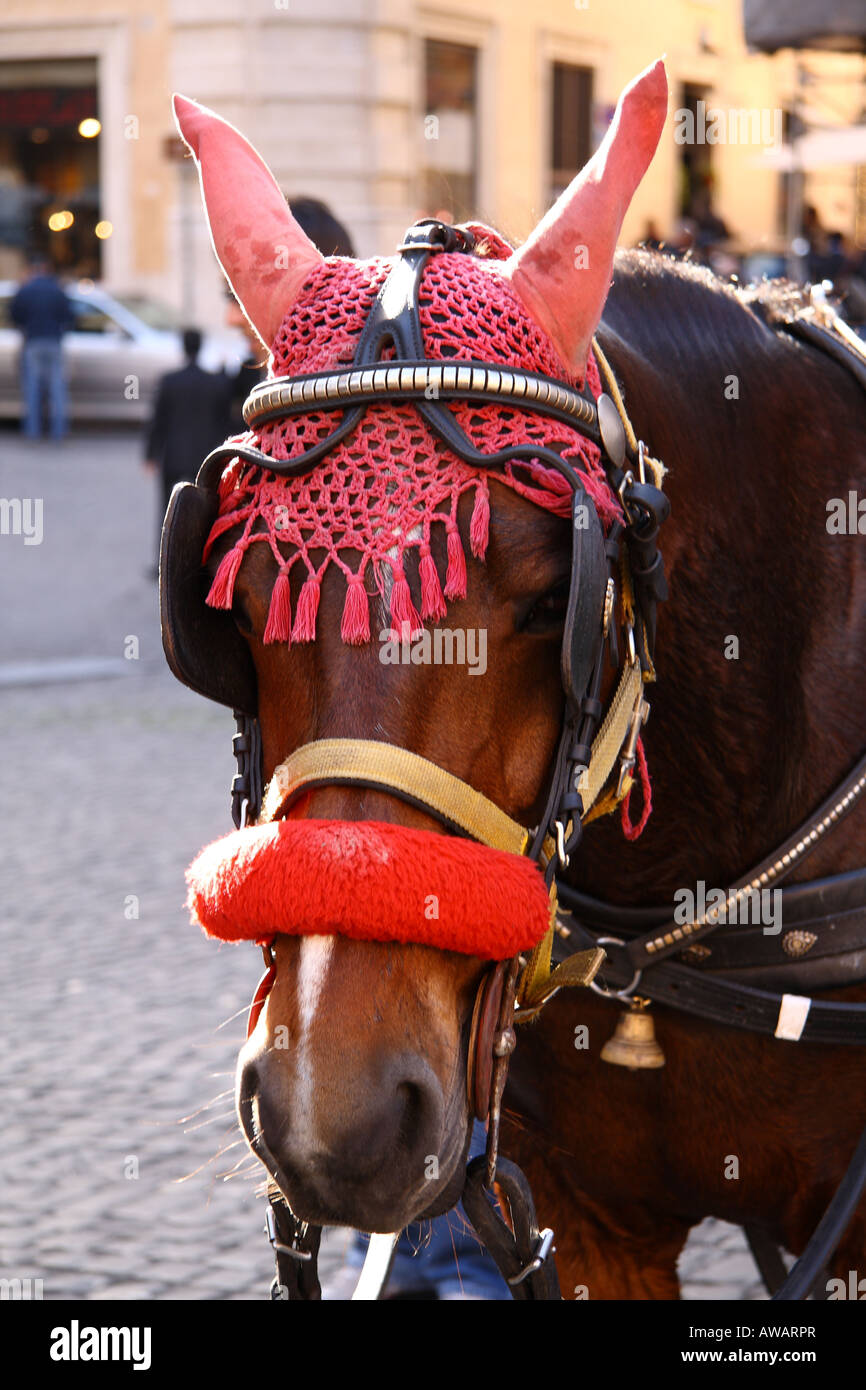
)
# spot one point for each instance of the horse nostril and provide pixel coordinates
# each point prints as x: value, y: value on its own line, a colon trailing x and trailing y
x: 413, y: 1102
x: 247, y: 1091
x: 413, y: 1115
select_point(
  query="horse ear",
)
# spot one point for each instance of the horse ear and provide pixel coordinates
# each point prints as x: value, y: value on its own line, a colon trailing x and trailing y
x: 265, y: 255
x: 563, y: 271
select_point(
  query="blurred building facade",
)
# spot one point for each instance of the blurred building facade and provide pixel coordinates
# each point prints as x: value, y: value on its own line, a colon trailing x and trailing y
x: 386, y: 109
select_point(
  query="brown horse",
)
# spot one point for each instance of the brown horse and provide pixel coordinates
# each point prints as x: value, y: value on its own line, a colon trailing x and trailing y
x: 352, y: 1086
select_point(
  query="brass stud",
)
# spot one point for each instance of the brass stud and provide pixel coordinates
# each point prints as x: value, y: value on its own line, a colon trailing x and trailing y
x: 797, y: 943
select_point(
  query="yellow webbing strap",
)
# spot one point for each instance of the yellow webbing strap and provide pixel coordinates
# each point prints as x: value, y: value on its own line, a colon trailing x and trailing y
x: 334, y: 760
x: 608, y: 742
x: 578, y: 970
x: 537, y: 983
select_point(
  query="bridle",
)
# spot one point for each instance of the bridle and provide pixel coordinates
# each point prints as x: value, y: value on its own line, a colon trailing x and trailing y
x: 600, y: 567
x: 623, y: 569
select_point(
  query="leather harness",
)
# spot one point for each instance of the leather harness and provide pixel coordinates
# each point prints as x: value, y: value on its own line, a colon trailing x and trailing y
x: 585, y: 755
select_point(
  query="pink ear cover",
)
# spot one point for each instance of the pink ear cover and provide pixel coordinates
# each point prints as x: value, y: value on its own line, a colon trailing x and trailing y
x: 563, y: 271
x: 369, y: 881
x: 264, y: 253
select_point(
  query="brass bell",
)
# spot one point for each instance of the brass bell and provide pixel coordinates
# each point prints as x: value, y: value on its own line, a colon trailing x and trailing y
x: 634, y: 1044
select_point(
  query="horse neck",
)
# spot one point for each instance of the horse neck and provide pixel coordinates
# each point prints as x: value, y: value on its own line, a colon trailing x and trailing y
x: 756, y: 714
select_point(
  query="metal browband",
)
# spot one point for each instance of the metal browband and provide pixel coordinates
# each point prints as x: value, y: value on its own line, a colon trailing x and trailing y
x: 431, y: 381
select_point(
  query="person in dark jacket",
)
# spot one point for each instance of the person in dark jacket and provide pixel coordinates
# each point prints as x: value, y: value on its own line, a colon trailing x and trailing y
x: 43, y: 313
x: 190, y: 417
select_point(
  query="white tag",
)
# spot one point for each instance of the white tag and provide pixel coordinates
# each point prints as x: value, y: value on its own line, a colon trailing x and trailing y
x: 792, y: 1017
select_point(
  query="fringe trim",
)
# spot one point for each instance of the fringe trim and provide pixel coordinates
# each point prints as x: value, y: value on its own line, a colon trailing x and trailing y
x: 404, y: 614
x: 221, y: 593
x: 432, y: 601
x: 308, y: 606
x: 455, y: 579
x: 479, y: 527
x: 355, y: 627
x: 279, y: 624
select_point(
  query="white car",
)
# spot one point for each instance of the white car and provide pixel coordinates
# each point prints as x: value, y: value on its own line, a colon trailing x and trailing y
x: 115, y: 355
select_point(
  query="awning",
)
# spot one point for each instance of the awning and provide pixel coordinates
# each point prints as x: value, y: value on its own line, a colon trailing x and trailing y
x: 839, y: 25
x: 818, y: 149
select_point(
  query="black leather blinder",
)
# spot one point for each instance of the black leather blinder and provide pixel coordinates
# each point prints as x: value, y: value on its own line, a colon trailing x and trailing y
x: 583, y: 633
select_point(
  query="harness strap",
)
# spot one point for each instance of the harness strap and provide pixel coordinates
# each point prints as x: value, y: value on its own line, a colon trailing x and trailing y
x: 296, y: 1248
x: 655, y: 945
x: 364, y: 762
x: 611, y: 739
x: 790, y: 1017
x: 522, y: 1254
x: 828, y: 1232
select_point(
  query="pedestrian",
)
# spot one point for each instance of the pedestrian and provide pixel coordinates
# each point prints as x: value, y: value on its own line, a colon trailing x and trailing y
x: 41, y: 310
x: 190, y: 417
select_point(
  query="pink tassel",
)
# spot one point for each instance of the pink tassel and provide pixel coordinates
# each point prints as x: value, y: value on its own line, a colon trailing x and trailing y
x: 479, y: 527
x: 222, y: 590
x: 432, y: 602
x: 308, y: 606
x: 355, y: 626
x: 455, y: 579
x: 279, y: 624
x: 404, y: 615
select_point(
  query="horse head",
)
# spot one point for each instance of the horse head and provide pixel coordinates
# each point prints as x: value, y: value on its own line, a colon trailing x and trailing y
x: 397, y: 596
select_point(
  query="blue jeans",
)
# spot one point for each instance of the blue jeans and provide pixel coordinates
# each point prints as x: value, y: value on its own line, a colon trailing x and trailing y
x: 41, y: 375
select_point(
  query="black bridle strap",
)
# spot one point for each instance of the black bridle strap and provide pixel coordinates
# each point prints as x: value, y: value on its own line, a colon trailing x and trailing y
x: 732, y: 1004
x: 524, y: 1255
x: 655, y: 945
x: 296, y: 1250
x: 828, y: 1232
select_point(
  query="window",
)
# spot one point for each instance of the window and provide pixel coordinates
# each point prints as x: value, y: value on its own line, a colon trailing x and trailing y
x: 696, y: 176
x: 450, y: 145
x: 571, y: 124
x: 49, y: 164
x: 90, y: 319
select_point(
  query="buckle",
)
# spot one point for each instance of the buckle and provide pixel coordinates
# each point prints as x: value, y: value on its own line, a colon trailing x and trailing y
x: 544, y: 1247
x: 271, y: 1231
x: 639, y: 717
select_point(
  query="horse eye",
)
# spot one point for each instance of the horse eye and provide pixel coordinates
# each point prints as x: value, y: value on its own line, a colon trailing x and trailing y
x: 547, y: 614
x: 242, y: 618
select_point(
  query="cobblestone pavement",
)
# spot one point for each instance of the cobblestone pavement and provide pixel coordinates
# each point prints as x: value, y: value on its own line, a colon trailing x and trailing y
x: 122, y: 1173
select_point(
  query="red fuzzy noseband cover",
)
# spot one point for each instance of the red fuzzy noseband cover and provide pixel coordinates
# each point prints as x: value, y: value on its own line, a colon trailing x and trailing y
x: 371, y: 882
